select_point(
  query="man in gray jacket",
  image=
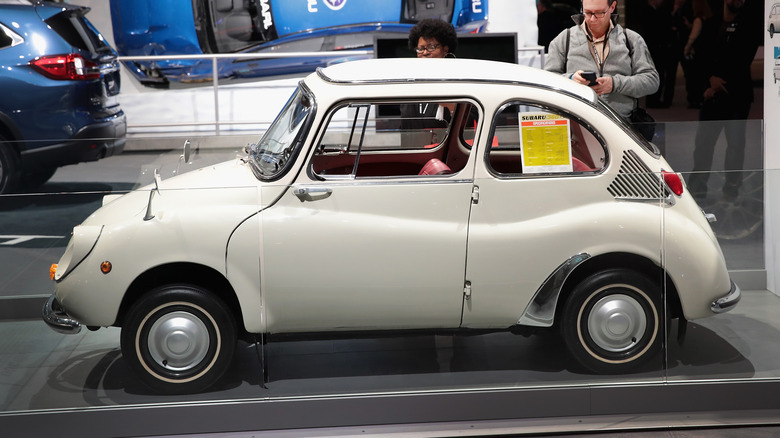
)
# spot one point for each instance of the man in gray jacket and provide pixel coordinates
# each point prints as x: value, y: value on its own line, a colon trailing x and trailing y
x: 619, y: 57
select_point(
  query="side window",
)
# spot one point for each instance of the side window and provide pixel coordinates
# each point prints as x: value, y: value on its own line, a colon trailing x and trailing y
x: 8, y: 38
x: 534, y: 140
x: 394, y: 139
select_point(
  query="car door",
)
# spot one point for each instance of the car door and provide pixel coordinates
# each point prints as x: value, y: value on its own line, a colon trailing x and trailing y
x: 543, y: 201
x: 362, y: 240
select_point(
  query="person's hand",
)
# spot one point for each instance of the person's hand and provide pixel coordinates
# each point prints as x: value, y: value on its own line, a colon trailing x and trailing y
x: 576, y: 77
x: 604, y: 85
x: 718, y: 84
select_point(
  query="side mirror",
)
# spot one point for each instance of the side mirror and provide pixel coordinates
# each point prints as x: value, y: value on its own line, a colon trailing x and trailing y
x: 187, y: 151
x: 185, y: 156
x: 157, y: 182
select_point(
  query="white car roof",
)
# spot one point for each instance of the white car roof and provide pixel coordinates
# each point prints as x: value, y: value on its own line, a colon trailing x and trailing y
x: 409, y: 70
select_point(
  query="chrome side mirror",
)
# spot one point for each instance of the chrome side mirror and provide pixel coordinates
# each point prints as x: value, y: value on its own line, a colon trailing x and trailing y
x: 185, y: 156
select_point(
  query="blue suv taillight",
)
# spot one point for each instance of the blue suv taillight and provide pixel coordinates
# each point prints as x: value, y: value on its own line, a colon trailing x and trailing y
x: 66, y: 67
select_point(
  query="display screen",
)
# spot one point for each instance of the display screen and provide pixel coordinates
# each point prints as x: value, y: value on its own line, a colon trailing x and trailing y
x: 489, y: 46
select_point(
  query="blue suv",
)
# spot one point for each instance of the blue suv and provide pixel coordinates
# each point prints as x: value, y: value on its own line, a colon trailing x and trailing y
x: 59, y: 81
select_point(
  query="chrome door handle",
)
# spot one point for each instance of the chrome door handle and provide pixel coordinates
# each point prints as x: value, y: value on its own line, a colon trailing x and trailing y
x: 312, y: 193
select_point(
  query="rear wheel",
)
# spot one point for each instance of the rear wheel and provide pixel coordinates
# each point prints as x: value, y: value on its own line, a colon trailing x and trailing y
x: 613, y: 321
x: 9, y: 167
x: 179, y: 339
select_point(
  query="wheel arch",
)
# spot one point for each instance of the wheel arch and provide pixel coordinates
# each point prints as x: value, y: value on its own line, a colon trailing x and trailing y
x: 619, y: 260
x: 184, y: 273
x: 10, y: 152
x: 9, y: 132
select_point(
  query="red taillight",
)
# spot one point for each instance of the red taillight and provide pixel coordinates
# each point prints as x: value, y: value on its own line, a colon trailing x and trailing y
x: 66, y: 67
x: 674, y: 181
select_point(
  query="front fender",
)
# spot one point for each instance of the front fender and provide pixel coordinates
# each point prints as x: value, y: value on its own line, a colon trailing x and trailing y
x: 187, y: 227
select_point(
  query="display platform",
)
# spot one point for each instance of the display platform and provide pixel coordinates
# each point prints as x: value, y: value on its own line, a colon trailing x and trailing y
x: 82, y: 380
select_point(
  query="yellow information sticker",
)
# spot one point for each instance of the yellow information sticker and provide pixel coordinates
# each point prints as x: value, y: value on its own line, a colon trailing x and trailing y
x: 545, y: 143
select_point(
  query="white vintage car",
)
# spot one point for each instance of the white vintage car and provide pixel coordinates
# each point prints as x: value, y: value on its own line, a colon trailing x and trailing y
x: 401, y: 194
x: 773, y: 20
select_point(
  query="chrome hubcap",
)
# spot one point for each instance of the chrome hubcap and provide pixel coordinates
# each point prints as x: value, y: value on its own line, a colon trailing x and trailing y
x: 178, y: 341
x: 616, y: 323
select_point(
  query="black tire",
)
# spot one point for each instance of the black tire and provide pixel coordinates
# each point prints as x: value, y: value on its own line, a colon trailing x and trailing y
x: 613, y: 321
x: 178, y: 339
x: 771, y: 30
x: 39, y: 176
x: 9, y: 167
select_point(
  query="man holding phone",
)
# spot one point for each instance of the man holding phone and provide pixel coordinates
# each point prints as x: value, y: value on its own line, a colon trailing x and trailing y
x: 598, y: 52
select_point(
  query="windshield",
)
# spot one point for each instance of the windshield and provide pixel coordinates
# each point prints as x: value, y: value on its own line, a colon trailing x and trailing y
x: 270, y: 156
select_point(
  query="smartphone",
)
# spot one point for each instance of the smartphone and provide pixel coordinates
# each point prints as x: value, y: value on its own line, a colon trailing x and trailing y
x: 589, y: 76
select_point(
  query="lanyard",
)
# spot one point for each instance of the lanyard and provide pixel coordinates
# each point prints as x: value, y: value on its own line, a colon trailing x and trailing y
x: 599, y: 61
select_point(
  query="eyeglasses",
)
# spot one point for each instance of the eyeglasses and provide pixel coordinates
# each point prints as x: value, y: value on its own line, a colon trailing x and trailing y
x: 429, y: 47
x: 601, y: 14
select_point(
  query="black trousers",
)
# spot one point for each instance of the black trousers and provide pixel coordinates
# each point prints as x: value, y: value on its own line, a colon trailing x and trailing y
x: 723, y: 113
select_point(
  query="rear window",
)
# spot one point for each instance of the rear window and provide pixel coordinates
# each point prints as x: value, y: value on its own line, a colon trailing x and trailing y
x: 78, y: 32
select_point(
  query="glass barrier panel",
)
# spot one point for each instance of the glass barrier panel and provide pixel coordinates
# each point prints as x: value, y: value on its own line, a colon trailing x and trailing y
x: 721, y: 163
x: 377, y: 283
x: 737, y: 343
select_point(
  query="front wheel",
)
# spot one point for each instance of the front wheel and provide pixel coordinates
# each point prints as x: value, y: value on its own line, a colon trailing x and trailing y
x: 612, y: 322
x: 178, y: 339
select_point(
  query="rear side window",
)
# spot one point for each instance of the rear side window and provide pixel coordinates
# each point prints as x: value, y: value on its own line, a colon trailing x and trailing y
x: 77, y: 32
x: 531, y: 139
x: 8, y: 38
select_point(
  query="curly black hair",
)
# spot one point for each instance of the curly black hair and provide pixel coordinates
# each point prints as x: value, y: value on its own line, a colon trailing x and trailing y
x: 443, y: 31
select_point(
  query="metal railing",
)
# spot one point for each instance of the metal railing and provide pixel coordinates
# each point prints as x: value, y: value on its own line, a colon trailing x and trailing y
x: 215, y: 57
x: 215, y: 72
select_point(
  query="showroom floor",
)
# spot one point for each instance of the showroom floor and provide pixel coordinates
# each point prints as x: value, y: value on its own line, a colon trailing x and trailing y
x: 40, y: 369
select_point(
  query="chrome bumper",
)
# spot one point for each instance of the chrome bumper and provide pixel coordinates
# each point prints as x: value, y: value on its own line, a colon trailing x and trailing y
x: 56, y: 317
x: 726, y: 303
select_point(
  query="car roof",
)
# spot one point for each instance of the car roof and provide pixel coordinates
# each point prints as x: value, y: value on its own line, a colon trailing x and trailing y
x: 409, y: 70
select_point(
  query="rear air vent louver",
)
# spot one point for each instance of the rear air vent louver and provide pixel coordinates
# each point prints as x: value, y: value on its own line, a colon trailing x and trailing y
x: 636, y: 181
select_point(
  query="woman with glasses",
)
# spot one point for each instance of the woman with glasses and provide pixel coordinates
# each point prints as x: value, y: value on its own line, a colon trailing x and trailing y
x: 433, y: 38
x: 429, y: 38
x: 619, y: 57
